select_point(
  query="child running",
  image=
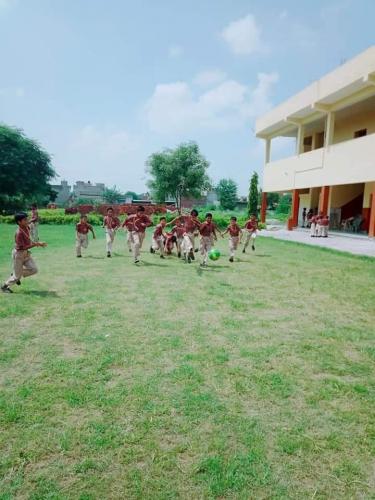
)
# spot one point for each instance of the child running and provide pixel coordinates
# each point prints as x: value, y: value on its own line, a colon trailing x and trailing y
x: 23, y: 263
x: 110, y: 223
x: 34, y: 223
x: 251, y: 228
x: 158, y: 238
x: 235, y: 235
x: 82, y: 237
x: 136, y: 224
x: 190, y: 224
x: 208, y: 234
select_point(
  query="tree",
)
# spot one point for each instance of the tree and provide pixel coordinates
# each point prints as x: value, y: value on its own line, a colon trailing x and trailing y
x: 25, y: 169
x: 227, y: 193
x: 285, y: 204
x: 252, y: 204
x: 112, y: 195
x: 132, y: 195
x: 273, y: 199
x: 178, y: 172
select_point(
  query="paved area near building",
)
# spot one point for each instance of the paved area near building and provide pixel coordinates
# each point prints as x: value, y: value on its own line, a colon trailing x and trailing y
x: 344, y: 242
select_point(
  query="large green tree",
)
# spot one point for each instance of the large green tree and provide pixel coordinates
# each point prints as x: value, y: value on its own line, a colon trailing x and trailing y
x: 179, y: 172
x: 25, y: 170
x: 227, y: 193
x: 252, y: 204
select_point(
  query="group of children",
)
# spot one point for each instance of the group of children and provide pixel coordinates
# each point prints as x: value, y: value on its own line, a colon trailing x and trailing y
x: 318, y: 223
x: 182, y: 235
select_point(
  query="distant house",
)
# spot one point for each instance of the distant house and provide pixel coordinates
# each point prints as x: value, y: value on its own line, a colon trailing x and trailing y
x: 63, y: 193
x: 89, y: 191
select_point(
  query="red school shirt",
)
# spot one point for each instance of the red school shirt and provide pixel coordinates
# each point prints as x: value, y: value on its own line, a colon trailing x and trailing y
x: 313, y: 219
x: 111, y: 222
x: 22, y: 239
x: 83, y: 227
x: 179, y: 231
x: 190, y: 224
x: 207, y: 228
x: 252, y: 225
x: 158, y: 231
x: 234, y: 230
x: 34, y: 216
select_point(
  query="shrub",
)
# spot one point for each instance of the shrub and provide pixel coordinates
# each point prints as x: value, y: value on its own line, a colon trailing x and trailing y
x: 57, y: 216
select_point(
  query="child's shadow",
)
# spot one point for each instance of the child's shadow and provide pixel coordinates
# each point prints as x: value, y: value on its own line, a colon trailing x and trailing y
x: 41, y: 293
x: 151, y: 264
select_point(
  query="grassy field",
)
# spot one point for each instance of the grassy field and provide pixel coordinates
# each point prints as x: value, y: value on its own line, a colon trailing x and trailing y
x: 247, y: 380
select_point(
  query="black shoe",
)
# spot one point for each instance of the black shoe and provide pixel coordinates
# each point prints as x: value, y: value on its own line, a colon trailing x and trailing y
x: 6, y: 289
x: 196, y: 250
x: 252, y: 248
x: 130, y: 249
x: 189, y: 259
x: 231, y: 259
x: 18, y: 282
x: 152, y: 250
x: 162, y: 257
x: 179, y: 255
x: 109, y: 254
x: 78, y: 256
x: 243, y: 251
x: 191, y: 255
x: 136, y: 261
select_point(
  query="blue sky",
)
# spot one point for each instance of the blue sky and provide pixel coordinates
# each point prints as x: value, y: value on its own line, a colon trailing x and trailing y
x: 102, y: 84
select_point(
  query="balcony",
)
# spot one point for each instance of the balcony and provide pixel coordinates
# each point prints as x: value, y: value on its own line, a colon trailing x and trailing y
x: 347, y: 162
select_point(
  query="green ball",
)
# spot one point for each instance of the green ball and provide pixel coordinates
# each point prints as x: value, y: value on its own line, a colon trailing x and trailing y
x: 214, y: 254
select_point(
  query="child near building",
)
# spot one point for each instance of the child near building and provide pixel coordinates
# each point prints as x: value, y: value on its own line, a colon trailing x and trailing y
x: 82, y: 237
x: 318, y: 229
x: 324, y: 224
x: 313, y: 226
x: 23, y: 263
x: 235, y: 234
x: 110, y: 223
x: 251, y: 229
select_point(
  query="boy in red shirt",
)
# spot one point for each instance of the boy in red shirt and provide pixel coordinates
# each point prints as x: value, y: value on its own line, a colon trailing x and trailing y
x: 324, y: 223
x: 179, y: 231
x: 190, y: 224
x: 82, y: 237
x: 208, y: 234
x: 313, y: 226
x: 110, y: 223
x: 34, y: 223
x: 158, y: 238
x: 23, y: 263
x: 251, y: 228
x: 136, y: 224
x: 235, y: 234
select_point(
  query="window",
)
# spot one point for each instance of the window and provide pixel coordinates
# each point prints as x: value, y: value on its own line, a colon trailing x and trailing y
x: 319, y: 140
x: 360, y: 133
x: 307, y: 144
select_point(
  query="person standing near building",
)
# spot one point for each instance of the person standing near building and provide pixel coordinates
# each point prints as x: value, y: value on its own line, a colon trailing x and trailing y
x: 34, y: 223
x: 110, y: 223
x: 303, y: 217
x: 324, y: 224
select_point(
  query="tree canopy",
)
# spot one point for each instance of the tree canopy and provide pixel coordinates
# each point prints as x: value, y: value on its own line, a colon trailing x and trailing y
x: 227, y: 193
x: 179, y: 172
x: 112, y: 195
x: 25, y: 170
x: 252, y: 204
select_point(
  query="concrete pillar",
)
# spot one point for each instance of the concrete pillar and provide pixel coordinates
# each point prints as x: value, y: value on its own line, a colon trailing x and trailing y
x: 263, y: 208
x: 324, y: 199
x: 330, y: 129
x: 299, y: 144
x: 295, y: 207
x: 268, y: 151
x: 371, y: 231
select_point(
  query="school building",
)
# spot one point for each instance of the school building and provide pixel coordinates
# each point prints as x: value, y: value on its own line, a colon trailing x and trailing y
x: 333, y: 166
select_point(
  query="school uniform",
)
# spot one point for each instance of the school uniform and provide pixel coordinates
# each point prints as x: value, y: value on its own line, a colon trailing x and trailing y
x: 34, y: 225
x: 190, y: 226
x: 313, y: 226
x: 234, y: 238
x: 23, y: 263
x: 207, y: 231
x: 110, y: 223
x: 158, y: 239
x: 318, y: 229
x: 82, y: 237
x: 324, y: 224
x: 179, y: 233
x: 251, y: 230
x: 136, y: 226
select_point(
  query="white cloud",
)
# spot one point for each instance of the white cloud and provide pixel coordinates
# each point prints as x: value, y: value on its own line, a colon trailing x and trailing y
x: 175, y: 51
x: 173, y: 107
x: 209, y: 77
x: 11, y: 92
x: 243, y: 36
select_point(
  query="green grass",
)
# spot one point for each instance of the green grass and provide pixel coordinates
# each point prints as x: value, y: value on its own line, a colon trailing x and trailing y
x: 247, y: 380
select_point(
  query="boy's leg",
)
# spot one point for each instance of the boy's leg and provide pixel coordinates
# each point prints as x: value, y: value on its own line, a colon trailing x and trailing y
x: 78, y: 246
x: 161, y: 246
x: 179, y: 246
x: 29, y: 267
x: 253, y: 236
x: 136, y: 246
x: 154, y: 244
x: 312, y: 230
x: 109, y: 241
x: 129, y: 241
x: 17, y: 274
x: 247, y: 240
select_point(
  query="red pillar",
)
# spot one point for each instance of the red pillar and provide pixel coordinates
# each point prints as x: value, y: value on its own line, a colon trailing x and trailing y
x: 324, y: 198
x: 371, y: 230
x: 263, y: 208
x: 295, y: 207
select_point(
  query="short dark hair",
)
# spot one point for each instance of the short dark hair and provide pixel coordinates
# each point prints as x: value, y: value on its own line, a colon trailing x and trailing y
x: 194, y: 212
x: 140, y: 208
x: 83, y: 216
x: 208, y: 214
x: 109, y: 208
x: 20, y: 216
x: 162, y: 218
x: 233, y: 218
x: 34, y: 205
